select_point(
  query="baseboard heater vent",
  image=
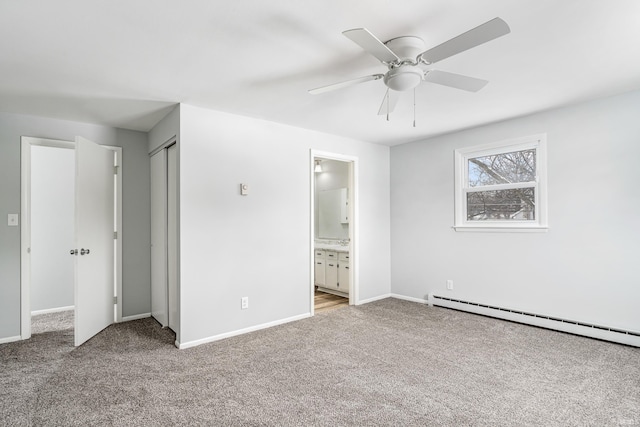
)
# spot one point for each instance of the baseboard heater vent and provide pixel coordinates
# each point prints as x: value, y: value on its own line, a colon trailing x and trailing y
x: 549, y: 322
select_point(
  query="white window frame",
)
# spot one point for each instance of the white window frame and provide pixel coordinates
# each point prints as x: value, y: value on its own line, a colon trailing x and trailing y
x: 462, y: 188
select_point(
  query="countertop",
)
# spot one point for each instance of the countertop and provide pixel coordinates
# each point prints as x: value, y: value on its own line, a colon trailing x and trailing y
x: 329, y: 247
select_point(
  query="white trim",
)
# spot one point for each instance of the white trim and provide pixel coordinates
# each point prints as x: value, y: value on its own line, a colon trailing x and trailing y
x: 53, y: 310
x: 540, y: 224
x: 219, y: 337
x: 25, y: 225
x: 412, y: 299
x: 25, y: 239
x: 135, y: 317
x: 10, y: 339
x: 506, y: 228
x: 498, y: 187
x: 118, y: 260
x: 378, y: 298
x: 168, y: 143
x: 354, y: 214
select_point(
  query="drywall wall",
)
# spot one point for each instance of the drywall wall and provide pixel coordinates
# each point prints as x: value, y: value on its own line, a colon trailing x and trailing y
x: 258, y: 246
x: 584, y: 268
x: 136, y: 254
x: 52, y: 227
x: 165, y: 130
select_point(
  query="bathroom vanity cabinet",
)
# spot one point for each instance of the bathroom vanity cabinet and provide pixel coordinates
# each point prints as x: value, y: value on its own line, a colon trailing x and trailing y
x: 331, y: 271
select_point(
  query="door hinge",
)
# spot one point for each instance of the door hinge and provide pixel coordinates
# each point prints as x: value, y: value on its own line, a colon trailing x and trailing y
x: 115, y: 300
x: 115, y: 235
x: 115, y: 170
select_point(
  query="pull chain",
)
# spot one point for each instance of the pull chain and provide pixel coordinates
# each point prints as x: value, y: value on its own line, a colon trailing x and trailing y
x: 388, y: 104
x: 414, y: 107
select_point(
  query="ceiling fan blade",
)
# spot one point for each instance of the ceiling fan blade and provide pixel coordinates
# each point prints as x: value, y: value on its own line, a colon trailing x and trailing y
x: 389, y: 102
x: 457, y: 81
x: 481, y: 34
x: 371, y: 44
x: 340, y: 85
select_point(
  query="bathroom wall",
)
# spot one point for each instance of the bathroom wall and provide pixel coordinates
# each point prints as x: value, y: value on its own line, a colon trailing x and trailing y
x: 334, y: 175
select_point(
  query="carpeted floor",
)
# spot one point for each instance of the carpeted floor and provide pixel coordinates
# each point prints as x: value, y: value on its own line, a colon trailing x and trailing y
x: 391, y: 363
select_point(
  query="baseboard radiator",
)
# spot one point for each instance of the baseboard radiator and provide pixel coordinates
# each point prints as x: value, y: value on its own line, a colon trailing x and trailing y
x: 564, y: 325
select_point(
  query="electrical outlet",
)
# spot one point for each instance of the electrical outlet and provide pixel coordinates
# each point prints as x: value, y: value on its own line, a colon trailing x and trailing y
x: 244, y: 303
x: 450, y: 284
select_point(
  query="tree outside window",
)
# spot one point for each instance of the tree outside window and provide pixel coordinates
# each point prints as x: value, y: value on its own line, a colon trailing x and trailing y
x: 501, y: 183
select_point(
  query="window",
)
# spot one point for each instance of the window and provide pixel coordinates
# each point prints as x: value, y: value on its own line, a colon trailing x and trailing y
x: 502, y: 186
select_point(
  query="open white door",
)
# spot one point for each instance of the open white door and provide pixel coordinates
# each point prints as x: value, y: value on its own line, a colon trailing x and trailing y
x: 94, y: 239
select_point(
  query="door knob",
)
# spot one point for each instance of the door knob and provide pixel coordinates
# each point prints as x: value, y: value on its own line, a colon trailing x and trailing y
x: 73, y: 252
x: 84, y: 251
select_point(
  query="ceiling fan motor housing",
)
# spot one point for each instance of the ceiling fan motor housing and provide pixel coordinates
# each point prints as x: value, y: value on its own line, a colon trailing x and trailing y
x: 409, y: 75
x: 407, y: 48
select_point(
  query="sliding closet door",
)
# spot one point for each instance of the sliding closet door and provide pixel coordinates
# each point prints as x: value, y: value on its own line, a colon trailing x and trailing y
x: 172, y: 235
x: 159, y: 309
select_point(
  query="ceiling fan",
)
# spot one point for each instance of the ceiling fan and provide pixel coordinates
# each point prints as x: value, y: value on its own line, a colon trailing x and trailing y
x: 403, y: 56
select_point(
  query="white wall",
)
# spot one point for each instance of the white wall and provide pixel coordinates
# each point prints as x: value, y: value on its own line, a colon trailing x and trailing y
x: 259, y: 245
x: 52, y: 227
x: 585, y: 268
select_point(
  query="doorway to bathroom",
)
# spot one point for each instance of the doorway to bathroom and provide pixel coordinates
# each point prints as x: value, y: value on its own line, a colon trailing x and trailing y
x: 334, y: 231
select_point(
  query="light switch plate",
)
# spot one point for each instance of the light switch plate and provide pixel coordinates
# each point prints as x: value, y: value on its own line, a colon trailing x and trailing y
x: 244, y: 189
x: 12, y: 220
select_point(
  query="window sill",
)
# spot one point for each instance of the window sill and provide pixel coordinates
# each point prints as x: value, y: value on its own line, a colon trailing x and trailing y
x: 502, y: 228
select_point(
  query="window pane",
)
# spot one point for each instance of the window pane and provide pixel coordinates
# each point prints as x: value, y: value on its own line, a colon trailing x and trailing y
x: 503, y: 168
x: 516, y: 204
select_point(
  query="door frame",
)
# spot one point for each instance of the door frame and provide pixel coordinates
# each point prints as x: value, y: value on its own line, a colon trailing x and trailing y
x: 354, y: 200
x: 25, y: 227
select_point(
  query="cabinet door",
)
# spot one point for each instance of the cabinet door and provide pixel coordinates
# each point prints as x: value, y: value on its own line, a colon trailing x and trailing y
x: 331, y: 274
x: 344, y: 206
x: 343, y: 277
x: 319, y: 272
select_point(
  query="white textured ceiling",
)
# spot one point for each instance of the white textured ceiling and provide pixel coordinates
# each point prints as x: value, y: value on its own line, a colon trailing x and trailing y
x: 126, y: 63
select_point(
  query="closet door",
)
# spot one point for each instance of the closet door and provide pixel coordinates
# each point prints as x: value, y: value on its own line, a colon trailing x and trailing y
x: 159, y: 309
x: 172, y: 236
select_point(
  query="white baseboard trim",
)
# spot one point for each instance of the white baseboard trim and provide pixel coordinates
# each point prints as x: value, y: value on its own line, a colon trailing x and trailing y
x: 412, y: 299
x: 10, y: 339
x: 195, y: 343
x: 135, y: 317
x: 53, y: 310
x: 378, y: 298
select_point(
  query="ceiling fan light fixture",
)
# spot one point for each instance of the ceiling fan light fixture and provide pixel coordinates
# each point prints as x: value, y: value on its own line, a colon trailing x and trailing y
x: 404, y: 78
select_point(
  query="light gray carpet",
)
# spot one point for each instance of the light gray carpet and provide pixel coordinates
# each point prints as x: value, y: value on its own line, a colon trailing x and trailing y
x: 390, y: 362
